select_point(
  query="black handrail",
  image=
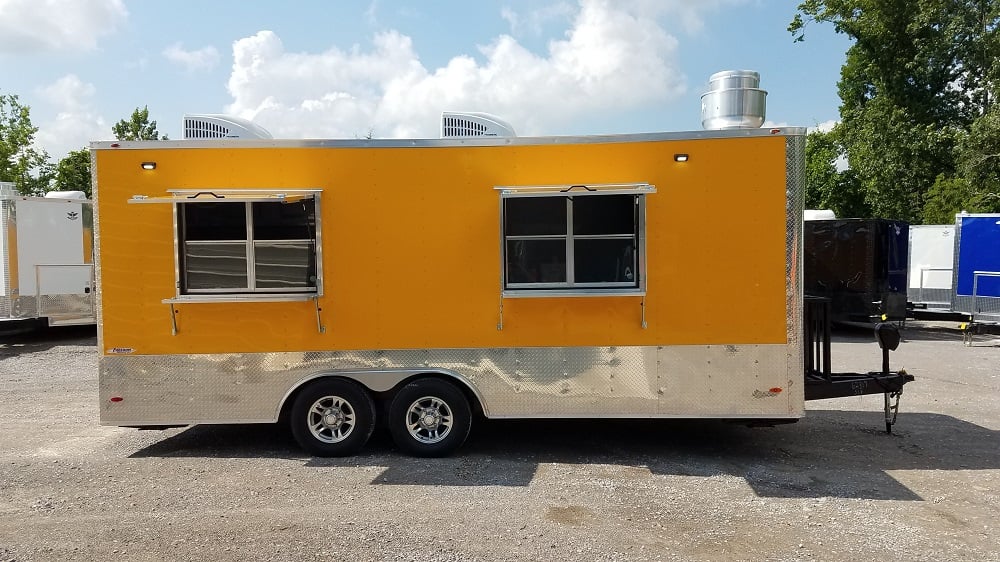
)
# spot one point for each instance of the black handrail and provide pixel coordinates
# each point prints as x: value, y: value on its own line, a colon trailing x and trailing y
x: 816, y: 321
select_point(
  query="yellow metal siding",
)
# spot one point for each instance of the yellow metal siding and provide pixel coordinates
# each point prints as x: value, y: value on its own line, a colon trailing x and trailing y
x: 411, y: 247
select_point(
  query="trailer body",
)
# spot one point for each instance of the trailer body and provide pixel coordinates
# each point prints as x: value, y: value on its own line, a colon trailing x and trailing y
x: 976, y: 276
x: 860, y: 265
x: 46, y: 259
x: 931, y: 260
x: 333, y: 281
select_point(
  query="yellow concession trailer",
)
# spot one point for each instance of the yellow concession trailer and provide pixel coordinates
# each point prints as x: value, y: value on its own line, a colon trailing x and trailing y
x: 423, y: 282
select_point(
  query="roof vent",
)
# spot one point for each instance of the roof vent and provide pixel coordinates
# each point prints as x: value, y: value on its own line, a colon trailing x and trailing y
x: 202, y: 127
x: 65, y: 195
x: 474, y: 124
x: 734, y: 101
x: 819, y: 215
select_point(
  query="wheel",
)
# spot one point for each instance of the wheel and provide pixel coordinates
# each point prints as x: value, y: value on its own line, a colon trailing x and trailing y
x: 429, y: 418
x: 332, y: 418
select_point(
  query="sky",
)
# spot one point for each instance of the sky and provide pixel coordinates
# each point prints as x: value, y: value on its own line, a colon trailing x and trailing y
x: 388, y: 68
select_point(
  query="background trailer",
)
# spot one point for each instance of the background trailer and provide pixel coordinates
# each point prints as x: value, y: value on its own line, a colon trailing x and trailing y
x: 860, y: 265
x: 333, y: 281
x: 977, y: 266
x: 46, y: 259
x: 931, y: 257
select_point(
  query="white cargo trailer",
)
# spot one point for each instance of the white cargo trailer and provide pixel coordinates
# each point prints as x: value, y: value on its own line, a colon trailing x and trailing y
x: 46, y: 259
x: 932, y: 254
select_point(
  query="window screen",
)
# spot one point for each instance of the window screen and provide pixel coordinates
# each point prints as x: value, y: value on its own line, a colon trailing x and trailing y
x: 558, y: 242
x: 247, y: 247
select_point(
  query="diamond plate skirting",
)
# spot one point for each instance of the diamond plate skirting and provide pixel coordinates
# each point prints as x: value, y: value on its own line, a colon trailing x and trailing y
x: 54, y: 307
x: 675, y: 381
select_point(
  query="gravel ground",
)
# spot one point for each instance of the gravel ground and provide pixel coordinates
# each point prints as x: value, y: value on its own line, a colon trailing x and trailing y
x: 832, y: 487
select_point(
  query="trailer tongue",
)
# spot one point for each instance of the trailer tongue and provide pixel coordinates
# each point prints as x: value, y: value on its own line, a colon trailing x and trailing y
x: 821, y: 383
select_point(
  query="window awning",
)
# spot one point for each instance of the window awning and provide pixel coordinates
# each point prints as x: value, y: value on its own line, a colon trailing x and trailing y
x: 228, y: 196
x: 575, y: 189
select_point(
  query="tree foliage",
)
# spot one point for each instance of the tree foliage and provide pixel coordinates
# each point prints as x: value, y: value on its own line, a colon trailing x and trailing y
x: 917, y: 79
x: 828, y: 187
x: 979, y: 162
x: 137, y: 127
x: 73, y: 172
x: 21, y: 161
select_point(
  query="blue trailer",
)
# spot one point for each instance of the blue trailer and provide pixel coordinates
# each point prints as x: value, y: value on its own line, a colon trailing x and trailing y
x: 977, y: 266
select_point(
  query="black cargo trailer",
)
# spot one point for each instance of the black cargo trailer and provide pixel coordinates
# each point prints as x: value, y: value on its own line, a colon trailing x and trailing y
x: 860, y: 265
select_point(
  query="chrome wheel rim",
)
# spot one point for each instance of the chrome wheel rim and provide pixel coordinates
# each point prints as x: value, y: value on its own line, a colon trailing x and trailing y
x: 331, y: 419
x: 429, y: 420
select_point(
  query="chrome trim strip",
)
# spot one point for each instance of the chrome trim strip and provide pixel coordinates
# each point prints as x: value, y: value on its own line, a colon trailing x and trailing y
x: 386, y: 380
x: 543, y: 293
x: 249, y: 247
x: 228, y: 196
x: 641, y: 249
x: 239, y: 297
x: 566, y: 285
x: 795, y: 188
x: 318, y: 235
x: 450, y: 142
x: 272, y: 192
x: 563, y: 190
x: 656, y: 416
x: 570, y: 246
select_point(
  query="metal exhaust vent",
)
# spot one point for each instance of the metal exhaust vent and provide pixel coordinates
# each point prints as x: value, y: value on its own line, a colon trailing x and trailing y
x: 734, y: 101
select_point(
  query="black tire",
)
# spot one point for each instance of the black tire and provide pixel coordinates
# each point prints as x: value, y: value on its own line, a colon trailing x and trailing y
x: 443, y: 426
x: 332, y: 418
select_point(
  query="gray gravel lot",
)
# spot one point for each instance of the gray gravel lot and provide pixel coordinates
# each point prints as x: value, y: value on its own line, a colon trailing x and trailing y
x: 832, y: 487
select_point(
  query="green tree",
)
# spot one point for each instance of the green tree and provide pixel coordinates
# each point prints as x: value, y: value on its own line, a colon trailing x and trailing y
x: 979, y: 160
x: 73, y: 172
x: 21, y: 161
x: 975, y: 187
x: 947, y: 197
x: 137, y: 127
x: 828, y: 187
x: 916, y: 78
x: 896, y: 158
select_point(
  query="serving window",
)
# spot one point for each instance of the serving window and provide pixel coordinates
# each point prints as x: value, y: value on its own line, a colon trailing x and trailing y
x: 247, y: 247
x: 236, y: 245
x: 590, y: 241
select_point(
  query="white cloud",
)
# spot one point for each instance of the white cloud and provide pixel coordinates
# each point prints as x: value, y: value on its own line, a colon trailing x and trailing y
x: 535, y: 19
x: 371, y: 13
x: 688, y: 13
x: 205, y: 58
x: 57, y: 25
x: 612, y: 57
x: 825, y: 126
x: 76, y: 122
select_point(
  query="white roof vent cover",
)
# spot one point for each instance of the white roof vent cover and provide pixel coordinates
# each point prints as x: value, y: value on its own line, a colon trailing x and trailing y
x: 204, y: 126
x: 474, y: 124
